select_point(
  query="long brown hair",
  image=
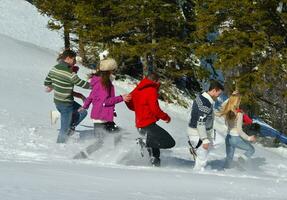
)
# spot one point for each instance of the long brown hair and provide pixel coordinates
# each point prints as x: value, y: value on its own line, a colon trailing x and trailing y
x: 105, y: 78
x: 228, y: 111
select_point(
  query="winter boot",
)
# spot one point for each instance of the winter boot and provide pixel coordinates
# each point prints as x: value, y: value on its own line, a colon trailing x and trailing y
x: 199, y: 164
x: 111, y: 127
x: 155, y: 161
x: 241, y: 163
x: 142, y: 144
x: 242, y: 159
x: 54, y: 115
x: 81, y: 155
x: 71, y: 131
x: 154, y: 154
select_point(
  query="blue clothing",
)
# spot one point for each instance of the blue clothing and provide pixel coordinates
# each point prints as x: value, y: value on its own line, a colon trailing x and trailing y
x: 233, y: 142
x: 70, y: 117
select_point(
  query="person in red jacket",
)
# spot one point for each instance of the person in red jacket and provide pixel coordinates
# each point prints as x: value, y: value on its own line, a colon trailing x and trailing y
x: 144, y: 102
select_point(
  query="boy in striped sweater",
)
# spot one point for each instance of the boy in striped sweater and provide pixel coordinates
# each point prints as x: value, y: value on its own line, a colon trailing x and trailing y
x: 61, y: 79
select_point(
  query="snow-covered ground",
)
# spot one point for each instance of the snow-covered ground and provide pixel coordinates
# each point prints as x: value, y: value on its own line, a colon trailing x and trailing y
x: 33, y: 166
x: 21, y: 20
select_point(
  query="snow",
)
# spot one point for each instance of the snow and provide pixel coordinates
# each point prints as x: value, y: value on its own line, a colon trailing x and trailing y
x: 33, y: 166
x: 19, y: 19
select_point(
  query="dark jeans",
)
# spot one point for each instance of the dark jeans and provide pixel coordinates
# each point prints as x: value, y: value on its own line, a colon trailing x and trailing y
x: 156, y: 138
x: 69, y: 117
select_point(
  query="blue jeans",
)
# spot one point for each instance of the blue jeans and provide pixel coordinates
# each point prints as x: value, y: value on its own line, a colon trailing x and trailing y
x: 70, y: 117
x: 233, y: 142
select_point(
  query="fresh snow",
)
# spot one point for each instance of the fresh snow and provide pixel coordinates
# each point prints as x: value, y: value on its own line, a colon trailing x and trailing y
x: 33, y: 166
x: 19, y: 19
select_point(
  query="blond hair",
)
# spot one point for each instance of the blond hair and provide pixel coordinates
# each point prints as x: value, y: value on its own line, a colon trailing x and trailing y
x: 228, y: 111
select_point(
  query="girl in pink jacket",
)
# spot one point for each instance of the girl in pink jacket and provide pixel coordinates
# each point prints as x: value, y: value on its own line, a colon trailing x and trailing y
x: 102, y: 97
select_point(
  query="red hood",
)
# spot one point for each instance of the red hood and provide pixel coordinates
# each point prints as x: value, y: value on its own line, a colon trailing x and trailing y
x: 147, y: 83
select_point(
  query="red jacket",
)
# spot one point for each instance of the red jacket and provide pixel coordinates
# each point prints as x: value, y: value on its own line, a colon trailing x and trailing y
x: 145, y: 104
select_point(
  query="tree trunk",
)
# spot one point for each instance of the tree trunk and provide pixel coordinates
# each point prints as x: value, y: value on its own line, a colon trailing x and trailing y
x: 144, y: 63
x: 66, y: 37
x: 82, y: 50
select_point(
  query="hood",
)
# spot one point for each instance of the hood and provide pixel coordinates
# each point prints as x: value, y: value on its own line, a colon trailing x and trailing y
x: 147, y: 83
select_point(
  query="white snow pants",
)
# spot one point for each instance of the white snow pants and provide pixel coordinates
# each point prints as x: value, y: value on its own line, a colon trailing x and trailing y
x: 202, y: 154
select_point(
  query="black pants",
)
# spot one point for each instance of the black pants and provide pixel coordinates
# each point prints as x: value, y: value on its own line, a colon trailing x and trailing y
x: 156, y: 138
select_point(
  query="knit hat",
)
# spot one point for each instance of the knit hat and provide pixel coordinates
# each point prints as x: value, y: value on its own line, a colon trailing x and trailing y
x: 108, y: 64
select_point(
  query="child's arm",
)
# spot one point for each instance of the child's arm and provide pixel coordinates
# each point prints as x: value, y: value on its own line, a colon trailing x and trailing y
x: 88, y: 101
x: 48, y: 82
x: 114, y: 100
x: 239, y: 127
x: 130, y: 105
x: 79, y: 82
x: 155, y: 108
x: 111, y: 101
x: 79, y: 95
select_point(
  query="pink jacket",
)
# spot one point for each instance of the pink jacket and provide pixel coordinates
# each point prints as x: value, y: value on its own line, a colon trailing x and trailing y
x: 103, y: 100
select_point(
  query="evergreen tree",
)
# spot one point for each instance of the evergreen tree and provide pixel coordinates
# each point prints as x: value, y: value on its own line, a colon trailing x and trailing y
x: 61, y: 13
x: 250, y: 48
x: 156, y: 31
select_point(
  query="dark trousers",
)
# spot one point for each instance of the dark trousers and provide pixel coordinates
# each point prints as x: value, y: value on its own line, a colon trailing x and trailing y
x: 156, y: 138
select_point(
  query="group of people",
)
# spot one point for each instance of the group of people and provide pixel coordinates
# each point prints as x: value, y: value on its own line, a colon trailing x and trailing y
x: 143, y: 100
x: 202, y: 135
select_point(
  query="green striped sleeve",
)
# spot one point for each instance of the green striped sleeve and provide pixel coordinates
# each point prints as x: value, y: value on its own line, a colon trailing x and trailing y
x: 79, y: 82
x: 48, y: 80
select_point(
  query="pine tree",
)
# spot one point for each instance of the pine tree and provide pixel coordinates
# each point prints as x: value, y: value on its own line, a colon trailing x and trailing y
x: 149, y: 35
x: 156, y: 31
x: 250, y: 48
x: 61, y: 13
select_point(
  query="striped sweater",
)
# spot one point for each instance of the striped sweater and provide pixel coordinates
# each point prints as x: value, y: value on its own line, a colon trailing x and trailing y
x: 62, y: 80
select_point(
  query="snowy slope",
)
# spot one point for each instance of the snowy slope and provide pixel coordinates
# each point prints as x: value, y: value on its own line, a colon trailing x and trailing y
x: 33, y: 166
x: 19, y: 19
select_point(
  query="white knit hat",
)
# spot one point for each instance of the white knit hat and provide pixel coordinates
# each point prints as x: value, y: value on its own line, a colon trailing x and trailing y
x: 108, y: 64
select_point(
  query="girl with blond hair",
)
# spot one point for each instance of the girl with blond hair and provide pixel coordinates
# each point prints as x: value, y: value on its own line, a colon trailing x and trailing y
x: 236, y: 137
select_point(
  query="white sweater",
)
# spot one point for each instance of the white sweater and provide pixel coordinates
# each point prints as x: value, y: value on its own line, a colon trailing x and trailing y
x: 235, y: 127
